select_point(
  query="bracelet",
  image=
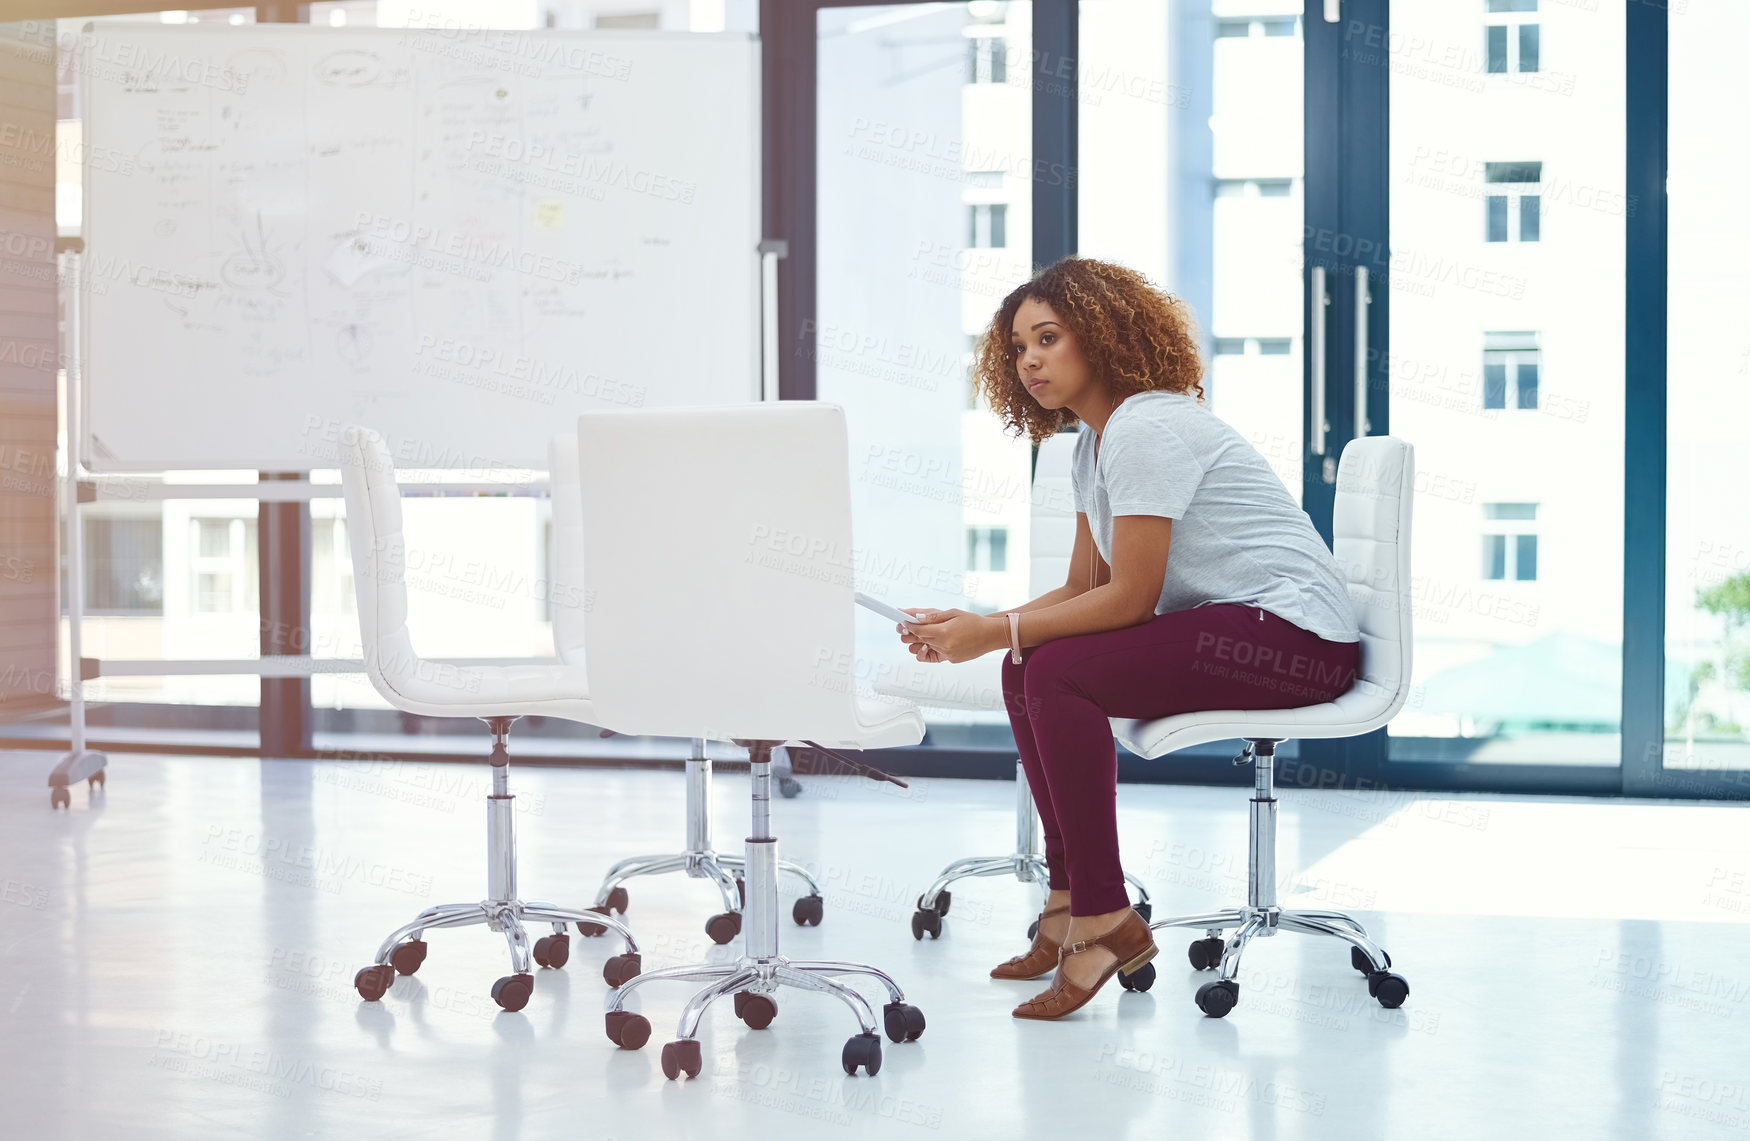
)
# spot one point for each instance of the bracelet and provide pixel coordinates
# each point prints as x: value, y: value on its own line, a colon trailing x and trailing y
x: 1015, y: 637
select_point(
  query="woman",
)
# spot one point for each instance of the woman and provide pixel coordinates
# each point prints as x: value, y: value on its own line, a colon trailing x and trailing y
x: 1196, y: 582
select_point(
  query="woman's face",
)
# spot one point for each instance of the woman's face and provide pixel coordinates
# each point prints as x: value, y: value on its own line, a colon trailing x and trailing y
x: 1047, y: 358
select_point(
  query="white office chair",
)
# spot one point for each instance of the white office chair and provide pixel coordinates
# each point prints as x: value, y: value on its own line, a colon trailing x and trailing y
x: 1371, y: 528
x: 718, y: 554
x: 978, y: 685
x: 698, y: 860
x: 497, y: 695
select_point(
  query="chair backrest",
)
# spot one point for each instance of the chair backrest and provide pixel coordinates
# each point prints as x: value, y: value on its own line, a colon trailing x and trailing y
x: 379, y: 558
x: 720, y: 567
x: 1053, y: 527
x: 1370, y: 530
x: 567, y: 599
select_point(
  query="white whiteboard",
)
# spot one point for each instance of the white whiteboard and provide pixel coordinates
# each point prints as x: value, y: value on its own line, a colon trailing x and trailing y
x: 460, y: 239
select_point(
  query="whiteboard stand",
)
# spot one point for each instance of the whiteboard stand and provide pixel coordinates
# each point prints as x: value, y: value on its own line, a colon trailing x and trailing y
x: 80, y: 763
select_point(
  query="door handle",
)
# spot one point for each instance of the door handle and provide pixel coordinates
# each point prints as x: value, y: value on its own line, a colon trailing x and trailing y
x: 1316, y: 348
x: 1362, y: 300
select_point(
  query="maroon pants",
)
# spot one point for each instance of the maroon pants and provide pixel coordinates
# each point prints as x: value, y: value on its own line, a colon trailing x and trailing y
x: 1220, y: 656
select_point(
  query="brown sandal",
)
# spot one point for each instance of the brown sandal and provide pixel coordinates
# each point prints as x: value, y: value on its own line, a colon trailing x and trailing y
x: 1041, y: 957
x: 1131, y: 942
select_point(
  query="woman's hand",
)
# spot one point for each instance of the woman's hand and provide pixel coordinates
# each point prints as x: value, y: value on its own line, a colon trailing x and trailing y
x: 954, y: 635
x: 919, y: 650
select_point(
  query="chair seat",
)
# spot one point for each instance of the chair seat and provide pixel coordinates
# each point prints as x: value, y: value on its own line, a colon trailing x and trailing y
x: 975, y: 685
x: 883, y: 725
x: 435, y: 688
x: 1364, y: 708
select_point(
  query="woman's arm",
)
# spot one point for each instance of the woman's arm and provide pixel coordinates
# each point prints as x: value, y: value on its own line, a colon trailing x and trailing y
x: 1139, y: 564
x: 1126, y: 596
x: 1086, y: 570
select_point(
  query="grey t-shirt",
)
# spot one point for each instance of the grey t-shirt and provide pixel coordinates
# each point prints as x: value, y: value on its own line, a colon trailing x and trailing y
x: 1238, y: 536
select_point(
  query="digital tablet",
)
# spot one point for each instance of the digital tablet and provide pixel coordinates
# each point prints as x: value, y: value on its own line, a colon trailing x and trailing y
x: 884, y: 610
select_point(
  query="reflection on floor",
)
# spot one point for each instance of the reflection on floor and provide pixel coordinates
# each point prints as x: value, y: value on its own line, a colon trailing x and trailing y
x: 176, y: 961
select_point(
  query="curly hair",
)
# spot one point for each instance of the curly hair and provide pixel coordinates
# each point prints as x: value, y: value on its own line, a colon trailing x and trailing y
x: 1136, y: 338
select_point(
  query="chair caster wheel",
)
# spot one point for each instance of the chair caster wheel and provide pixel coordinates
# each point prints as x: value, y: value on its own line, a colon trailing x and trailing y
x: 682, y: 1055
x: 60, y: 798
x: 373, y: 982
x: 1217, y: 998
x: 1205, y: 954
x: 553, y: 951
x: 757, y: 1010
x: 943, y: 899
x: 922, y: 921
x: 621, y: 969
x: 1140, y: 979
x: 408, y: 956
x: 1144, y: 909
x: 808, y: 910
x: 512, y: 991
x: 1389, y: 989
x: 591, y: 930
x: 723, y: 928
x: 862, y: 1050
x: 617, y: 900
x: 1358, y: 960
x: 1033, y: 928
x: 788, y: 787
x: 905, y: 1022
x: 627, y: 1030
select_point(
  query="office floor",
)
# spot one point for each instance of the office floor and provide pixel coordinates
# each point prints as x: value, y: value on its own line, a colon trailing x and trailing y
x: 176, y: 960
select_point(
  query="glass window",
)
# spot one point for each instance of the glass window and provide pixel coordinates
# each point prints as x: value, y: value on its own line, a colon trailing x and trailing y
x: 1525, y: 557
x: 225, y: 565
x: 1513, y: 189
x: 987, y: 550
x: 1525, y: 376
x: 628, y: 20
x: 1511, y: 39
x: 1528, y: 47
x: 1707, y: 544
x: 1497, y: 218
x: 1494, y: 385
x: 1510, y: 363
x: 1520, y: 663
x: 913, y: 258
x: 1494, y: 556
x: 124, y: 566
x: 331, y: 585
x: 1509, y: 542
x: 1530, y: 210
x: 1191, y: 164
x: 987, y: 59
x: 987, y: 226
